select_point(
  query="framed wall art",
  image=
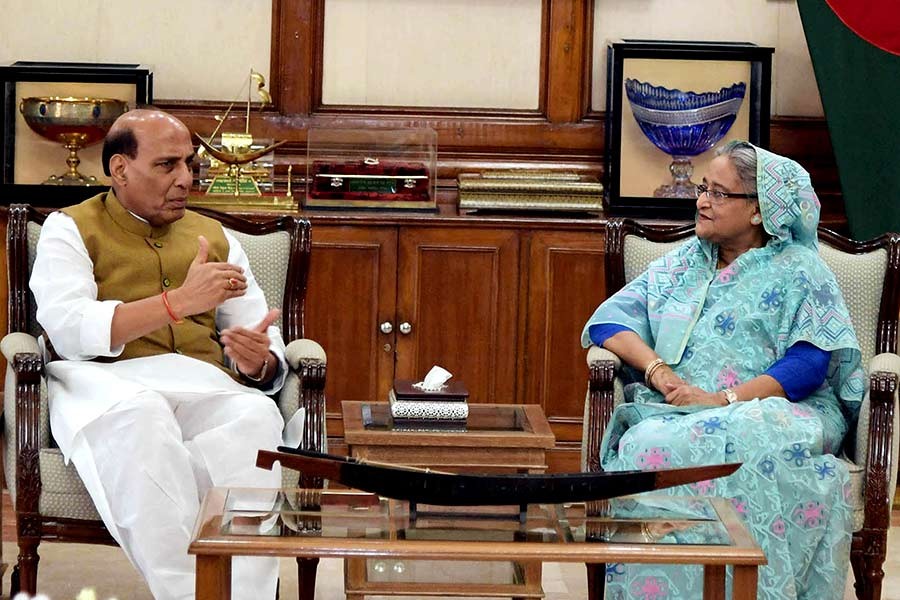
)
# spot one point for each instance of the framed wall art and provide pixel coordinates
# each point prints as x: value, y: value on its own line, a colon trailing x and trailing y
x: 669, y: 104
x: 54, y: 115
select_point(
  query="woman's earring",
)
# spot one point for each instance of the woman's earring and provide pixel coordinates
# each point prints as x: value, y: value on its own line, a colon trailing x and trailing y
x: 756, y: 219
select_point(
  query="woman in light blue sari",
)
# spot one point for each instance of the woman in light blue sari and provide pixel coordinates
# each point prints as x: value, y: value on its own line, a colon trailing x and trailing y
x: 741, y: 350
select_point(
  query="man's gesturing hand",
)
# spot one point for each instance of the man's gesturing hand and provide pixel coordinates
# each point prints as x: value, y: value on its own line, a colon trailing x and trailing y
x: 207, y: 284
x: 249, y: 348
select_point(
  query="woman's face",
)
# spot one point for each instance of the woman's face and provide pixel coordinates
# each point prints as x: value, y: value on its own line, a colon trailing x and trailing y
x: 725, y: 221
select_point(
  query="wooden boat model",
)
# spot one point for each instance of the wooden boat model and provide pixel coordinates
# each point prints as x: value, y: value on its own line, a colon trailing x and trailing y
x: 429, y: 487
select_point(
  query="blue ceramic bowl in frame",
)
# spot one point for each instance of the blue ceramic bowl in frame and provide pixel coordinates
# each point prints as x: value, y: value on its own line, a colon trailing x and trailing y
x: 683, y: 123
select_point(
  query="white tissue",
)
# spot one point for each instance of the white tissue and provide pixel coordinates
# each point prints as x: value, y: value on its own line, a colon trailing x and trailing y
x: 293, y: 431
x: 434, y: 380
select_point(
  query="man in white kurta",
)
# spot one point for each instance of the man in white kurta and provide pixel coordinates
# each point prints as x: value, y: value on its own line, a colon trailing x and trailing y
x: 161, y: 395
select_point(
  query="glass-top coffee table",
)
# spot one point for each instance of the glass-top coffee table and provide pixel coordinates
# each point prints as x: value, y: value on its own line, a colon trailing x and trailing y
x: 313, y: 524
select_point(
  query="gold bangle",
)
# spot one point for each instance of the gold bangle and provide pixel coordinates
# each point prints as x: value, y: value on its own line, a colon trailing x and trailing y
x: 646, y: 533
x: 654, y: 366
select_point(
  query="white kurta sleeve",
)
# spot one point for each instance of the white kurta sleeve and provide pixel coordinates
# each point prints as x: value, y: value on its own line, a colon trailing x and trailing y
x: 62, y: 280
x: 248, y: 310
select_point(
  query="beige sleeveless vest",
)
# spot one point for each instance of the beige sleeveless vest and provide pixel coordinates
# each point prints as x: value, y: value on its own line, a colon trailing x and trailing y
x: 134, y: 260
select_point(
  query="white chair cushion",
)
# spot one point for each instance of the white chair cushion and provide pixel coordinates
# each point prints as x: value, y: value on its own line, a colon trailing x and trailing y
x: 861, y: 279
x: 640, y: 252
x: 268, y: 254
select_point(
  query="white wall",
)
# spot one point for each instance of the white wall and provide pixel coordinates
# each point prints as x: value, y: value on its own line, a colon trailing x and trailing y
x: 198, y: 49
x: 483, y: 53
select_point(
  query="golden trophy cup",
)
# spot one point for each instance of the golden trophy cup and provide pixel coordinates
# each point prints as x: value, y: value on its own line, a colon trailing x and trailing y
x: 73, y: 122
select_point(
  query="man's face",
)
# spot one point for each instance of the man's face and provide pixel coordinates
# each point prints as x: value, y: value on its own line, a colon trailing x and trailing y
x: 157, y: 181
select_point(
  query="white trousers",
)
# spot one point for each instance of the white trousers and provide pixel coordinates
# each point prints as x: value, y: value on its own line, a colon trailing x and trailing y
x: 148, y: 461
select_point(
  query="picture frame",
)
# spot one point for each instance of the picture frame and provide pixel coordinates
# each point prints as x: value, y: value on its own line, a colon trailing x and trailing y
x: 639, y: 174
x: 27, y: 159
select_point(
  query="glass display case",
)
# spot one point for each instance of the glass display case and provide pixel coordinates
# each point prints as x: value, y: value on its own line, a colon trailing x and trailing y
x: 371, y: 168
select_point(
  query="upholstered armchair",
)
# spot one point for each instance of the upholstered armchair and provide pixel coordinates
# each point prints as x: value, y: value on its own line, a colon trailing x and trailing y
x: 869, y: 276
x: 50, y: 501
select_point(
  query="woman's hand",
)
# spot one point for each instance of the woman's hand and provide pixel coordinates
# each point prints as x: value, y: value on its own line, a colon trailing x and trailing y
x: 688, y: 395
x: 664, y: 378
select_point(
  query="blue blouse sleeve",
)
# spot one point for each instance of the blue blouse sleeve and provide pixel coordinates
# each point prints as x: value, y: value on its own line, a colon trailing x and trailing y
x: 600, y: 332
x: 801, y: 371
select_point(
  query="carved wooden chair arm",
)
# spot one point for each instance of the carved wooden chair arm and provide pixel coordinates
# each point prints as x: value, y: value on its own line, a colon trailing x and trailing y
x: 305, y: 387
x: 598, y: 353
x: 22, y: 407
x: 17, y: 342
x: 599, y: 403
x: 880, y: 442
x: 304, y: 349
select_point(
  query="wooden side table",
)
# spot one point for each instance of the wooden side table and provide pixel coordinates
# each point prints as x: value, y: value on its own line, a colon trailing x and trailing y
x: 498, y: 438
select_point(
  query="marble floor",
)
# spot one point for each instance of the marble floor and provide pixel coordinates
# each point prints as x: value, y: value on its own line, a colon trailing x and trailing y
x: 66, y: 568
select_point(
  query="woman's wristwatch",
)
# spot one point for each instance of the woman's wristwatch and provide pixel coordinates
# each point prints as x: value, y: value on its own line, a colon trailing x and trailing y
x: 730, y: 396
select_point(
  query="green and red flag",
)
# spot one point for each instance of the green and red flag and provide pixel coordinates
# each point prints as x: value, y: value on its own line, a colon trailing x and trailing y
x: 855, y: 50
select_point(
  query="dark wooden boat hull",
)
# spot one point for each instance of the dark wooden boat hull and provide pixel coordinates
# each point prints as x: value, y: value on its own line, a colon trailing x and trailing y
x: 448, y: 489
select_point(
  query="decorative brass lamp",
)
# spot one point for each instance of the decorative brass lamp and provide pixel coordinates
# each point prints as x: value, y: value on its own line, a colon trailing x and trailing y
x: 73, y: 122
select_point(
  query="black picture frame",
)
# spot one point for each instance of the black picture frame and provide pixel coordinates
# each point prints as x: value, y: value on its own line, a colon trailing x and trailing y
x: 14, y: 73
x: 637, y: 199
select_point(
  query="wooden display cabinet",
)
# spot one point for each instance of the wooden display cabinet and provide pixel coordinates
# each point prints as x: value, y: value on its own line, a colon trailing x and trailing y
x: 391, y: 302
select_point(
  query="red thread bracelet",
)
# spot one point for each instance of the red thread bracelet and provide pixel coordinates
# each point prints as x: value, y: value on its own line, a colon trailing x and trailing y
x: 165, y: 299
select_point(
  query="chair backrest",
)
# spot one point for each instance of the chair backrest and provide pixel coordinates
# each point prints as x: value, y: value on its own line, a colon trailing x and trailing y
x: 868, y: 273
x: 278, y: 250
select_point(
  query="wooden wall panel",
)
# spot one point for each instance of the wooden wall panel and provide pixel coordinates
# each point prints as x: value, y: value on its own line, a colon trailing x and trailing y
x: 458, y: 289
x: 565, y: 284
x: 352, y: 290
x: 568, y: 80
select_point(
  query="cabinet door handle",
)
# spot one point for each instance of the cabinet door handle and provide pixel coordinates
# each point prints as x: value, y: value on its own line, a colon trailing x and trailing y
x: 386, y: 327
x: 405, y: 328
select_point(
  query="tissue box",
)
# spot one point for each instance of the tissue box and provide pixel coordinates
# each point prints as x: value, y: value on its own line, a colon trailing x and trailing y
x: 417, y: 412
x: 453, y: 391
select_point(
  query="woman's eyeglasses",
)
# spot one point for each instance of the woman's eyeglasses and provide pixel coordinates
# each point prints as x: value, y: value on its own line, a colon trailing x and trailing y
x: 718, y: 196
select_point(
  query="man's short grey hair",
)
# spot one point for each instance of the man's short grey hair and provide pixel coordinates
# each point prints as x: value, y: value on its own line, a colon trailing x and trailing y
x: 743, y: 156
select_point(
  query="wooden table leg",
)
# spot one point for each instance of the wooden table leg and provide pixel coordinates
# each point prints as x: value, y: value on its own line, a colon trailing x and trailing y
x: 306, y: 577
x: 596, y: 580
x: 531, y: 579
x: 213, y: 577
x: 746, y: 579
x: 355, y: 578
x: 714, y: 582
